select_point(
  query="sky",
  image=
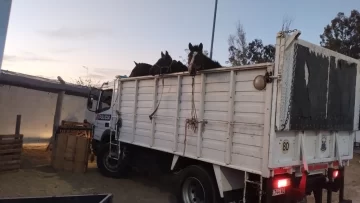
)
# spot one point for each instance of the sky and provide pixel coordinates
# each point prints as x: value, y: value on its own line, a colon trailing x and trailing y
x: 101, y: 39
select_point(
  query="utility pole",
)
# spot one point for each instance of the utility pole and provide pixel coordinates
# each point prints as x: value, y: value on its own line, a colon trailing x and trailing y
x: 213, y: 30
x: 5, y: 7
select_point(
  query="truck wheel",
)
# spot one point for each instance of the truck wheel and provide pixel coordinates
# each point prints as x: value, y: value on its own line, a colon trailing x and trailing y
x: 110, y: 167
x: 197, y: 185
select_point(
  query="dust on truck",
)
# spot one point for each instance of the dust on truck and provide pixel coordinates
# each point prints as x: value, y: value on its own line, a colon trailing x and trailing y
x: 271, y: 132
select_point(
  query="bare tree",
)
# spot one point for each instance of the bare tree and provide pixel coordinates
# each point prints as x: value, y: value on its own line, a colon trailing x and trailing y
x: 88, y: 82
x: 243, y: 53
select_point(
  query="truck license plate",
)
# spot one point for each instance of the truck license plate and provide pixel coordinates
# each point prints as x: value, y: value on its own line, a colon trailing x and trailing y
x: 278, y: 191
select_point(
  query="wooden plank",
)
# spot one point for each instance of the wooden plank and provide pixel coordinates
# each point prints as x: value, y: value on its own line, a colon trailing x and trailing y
x: 10, y: 151
x: 12, y: 141
x: 70, y: 148
x: 10, y: 162
x: 10, y: 157
x: 12, y: 136
x: 11, y: 146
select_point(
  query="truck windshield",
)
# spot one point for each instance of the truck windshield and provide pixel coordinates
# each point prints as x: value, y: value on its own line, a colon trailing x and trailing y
x: 105, y: 100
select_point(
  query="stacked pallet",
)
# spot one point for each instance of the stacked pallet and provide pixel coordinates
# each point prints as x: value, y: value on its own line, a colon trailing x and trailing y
x: 72, y: 147
x: 10, y: 152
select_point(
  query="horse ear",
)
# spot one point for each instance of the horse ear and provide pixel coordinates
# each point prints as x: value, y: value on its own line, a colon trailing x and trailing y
x: 166, y: 53
x: 135, y: 63
x: 201, y: 46
x: 191, y: 47
x: 162, y: 55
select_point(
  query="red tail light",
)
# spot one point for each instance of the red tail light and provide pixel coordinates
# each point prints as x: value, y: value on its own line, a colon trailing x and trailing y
x: 335, y: 174
x: 281, y: 183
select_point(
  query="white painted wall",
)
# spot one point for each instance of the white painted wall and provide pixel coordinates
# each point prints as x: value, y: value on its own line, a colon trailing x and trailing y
x: 37, y: 109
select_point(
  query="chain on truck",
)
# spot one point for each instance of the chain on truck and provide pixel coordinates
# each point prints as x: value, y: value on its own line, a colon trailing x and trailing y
x: 271, y: 132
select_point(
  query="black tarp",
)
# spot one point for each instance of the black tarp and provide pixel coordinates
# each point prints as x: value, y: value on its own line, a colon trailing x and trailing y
x: 323, y: 94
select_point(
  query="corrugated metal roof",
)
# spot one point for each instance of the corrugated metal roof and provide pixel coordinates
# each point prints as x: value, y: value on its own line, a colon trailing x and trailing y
x: 41, y: 84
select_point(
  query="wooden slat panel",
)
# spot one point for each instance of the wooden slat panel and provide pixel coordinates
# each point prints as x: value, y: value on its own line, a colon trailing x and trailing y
x: 244, y: 128
x: 146, y: 83
x: 11, y: 141
x: 146, y: 90
x: 10, y: 151
x: 11, y: 136
x: 188, y: 97
x: 247, y: 150
x: 144, y: 104
x: 251, y: 140
x: 249, y: 75
x: 246, y: 86
x: 127, y: 90
x: 188, y: 88
x: 187, y: 80
x: 10, y: 146
x: 216, y: 106
x: 250, y: 118
x: 143, y: 97
x: 10, y: 157
x: 218, y: 77
x: 128, y: 84
x: 217, y: 87
x: 249, y: 107
x: 257, y: 96
x: 217, y: 96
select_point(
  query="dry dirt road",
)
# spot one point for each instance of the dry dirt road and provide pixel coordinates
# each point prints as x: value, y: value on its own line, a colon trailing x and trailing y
x: 37, y: 178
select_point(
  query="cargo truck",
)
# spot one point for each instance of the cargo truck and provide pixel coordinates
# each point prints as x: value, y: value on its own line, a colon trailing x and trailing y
x: 270, y: 132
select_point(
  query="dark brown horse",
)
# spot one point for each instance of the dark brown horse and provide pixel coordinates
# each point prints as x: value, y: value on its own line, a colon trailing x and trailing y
x: 166, y: 65
x: 197, y: 60
x: 140, y: 69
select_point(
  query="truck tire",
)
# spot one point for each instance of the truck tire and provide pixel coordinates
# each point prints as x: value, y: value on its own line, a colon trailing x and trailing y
x: 110, y: 167
x: 196, y: 184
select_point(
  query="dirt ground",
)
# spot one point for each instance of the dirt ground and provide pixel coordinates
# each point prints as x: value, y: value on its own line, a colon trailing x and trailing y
x: 37, y: 178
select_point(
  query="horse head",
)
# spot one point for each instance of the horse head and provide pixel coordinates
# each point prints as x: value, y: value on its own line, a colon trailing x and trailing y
x: 197, y: 60
x: 140, y: 69
x: 163, y: 65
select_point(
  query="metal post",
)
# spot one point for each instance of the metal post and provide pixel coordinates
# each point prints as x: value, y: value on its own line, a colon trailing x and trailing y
x: 5, y: 7
x: 213, y: 30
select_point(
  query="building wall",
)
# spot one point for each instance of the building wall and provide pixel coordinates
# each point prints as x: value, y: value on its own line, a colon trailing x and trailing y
x: 37, y: 109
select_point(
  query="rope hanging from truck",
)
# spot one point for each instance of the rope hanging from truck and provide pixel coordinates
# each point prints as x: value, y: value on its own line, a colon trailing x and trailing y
x: 191, y: 123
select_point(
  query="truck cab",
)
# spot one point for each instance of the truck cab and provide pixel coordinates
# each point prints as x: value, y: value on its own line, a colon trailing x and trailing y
x: 100, y: 102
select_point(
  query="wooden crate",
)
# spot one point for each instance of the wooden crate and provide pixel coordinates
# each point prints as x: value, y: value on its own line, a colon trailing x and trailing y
x: 72, y: 147
x: 10, y: 152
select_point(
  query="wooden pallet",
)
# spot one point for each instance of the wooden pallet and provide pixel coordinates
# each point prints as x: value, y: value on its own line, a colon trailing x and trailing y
x: 10, y: 152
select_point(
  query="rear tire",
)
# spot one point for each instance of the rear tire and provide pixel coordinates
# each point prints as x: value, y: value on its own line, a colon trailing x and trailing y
x: 197, y: 185
x: 111, y: 167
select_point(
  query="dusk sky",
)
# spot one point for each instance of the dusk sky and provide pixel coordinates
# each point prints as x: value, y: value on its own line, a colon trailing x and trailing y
x: 58, y: 37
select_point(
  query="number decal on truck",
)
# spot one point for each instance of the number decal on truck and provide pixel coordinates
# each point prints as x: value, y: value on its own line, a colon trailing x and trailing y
x: 285, y: 146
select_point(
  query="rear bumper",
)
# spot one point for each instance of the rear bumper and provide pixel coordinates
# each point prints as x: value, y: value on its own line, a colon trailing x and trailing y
x: 311, y: 184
